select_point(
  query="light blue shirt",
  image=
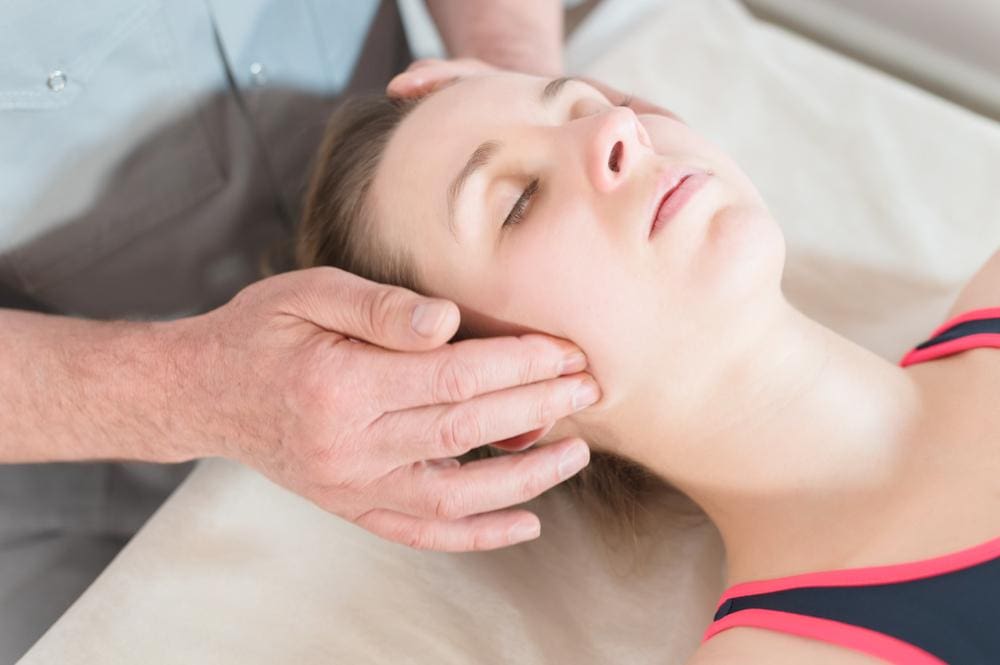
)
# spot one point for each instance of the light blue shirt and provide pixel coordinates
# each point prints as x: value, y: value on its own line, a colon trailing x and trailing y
x: 131, y: 183
x: 82, y: 83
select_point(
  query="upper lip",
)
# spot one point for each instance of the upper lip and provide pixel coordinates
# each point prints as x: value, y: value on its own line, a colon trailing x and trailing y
x: 666, y: 181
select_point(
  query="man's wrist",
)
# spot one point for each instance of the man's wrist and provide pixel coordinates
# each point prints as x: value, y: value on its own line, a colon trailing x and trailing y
x: 172, y: 362
x: 511, y: 34
x: 137, y: 373
x: 73, y: 389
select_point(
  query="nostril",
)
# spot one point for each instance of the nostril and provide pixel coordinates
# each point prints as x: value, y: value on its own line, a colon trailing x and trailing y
x: 614, y: 161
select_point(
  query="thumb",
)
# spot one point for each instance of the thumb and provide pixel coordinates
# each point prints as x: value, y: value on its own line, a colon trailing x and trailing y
x: 388, y: 316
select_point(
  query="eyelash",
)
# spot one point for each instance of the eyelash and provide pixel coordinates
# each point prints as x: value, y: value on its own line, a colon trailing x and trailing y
x: 520, y: 208
x: 517, y: 213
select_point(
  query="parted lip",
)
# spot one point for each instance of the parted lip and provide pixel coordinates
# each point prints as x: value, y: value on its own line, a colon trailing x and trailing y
x: 667, y: 183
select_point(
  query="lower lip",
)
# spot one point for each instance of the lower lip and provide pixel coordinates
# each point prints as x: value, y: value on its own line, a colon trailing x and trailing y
x: 678, y: 199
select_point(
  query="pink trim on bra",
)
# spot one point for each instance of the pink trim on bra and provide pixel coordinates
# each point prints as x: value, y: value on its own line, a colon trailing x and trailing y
x: 971, y: 315
x: 900, y: 572
x: 846, y: 635
x: 951, y: 347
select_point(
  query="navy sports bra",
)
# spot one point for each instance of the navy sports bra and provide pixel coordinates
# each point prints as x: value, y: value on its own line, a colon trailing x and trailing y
x: 939, y: 611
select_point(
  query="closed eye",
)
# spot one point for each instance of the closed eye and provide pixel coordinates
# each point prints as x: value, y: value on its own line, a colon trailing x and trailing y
x: 520, y: 209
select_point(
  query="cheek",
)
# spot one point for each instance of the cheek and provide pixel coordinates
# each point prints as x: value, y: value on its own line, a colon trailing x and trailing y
x: 580, y: 286
x: 559, y: 282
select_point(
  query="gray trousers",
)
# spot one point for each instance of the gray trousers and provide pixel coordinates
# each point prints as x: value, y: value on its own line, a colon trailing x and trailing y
x: 61, y: 524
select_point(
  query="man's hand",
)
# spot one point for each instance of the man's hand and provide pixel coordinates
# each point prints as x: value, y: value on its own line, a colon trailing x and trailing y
x: 423, y: 77
x: 370, y: 430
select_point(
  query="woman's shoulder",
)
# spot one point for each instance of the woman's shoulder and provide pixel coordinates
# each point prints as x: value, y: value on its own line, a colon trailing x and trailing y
x: 983, y: 290
x: 756, y: 646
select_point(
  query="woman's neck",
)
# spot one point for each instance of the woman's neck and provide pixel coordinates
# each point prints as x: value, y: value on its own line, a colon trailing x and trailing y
x: 809, y: 440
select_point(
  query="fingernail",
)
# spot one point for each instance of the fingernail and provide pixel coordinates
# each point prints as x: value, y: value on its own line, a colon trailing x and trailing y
x: 585, y: 394
x: 523, y: 531
x: 427, y: 318
x: 574, y: 362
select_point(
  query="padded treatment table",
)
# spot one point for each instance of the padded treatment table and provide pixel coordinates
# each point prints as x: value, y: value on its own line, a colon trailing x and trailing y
x: 889, y: 199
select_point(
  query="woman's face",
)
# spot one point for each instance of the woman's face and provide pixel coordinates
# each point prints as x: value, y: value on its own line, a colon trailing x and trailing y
x: 529, y: 203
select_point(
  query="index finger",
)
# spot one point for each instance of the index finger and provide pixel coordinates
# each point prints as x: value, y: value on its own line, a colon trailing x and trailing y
x: 460, y: 371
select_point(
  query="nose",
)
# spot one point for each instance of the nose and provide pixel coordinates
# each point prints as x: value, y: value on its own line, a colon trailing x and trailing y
x: 615, y: 141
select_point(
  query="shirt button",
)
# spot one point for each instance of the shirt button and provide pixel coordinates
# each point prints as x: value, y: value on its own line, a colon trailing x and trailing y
x: 57, y: 80
x: 258, y: 73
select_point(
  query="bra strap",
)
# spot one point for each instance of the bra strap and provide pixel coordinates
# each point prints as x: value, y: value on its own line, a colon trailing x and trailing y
x: 861, y: 639
x: 974, y: 329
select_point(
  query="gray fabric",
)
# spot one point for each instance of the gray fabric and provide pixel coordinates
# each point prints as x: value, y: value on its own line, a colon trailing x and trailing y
x: 41, y: 574
x: 148, y: 186
x: 92, y: 497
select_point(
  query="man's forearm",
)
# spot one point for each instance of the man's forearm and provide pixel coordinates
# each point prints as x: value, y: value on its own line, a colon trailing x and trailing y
x: 523, y: 35
x: 72, y: 389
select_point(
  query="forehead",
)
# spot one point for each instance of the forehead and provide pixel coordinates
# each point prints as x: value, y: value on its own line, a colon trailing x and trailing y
x: 433, y: 142
x: 453, y: 116
x: 444, y: 129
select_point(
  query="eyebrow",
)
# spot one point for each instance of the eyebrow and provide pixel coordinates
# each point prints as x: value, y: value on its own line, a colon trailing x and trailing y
x: 481, y: 156
x: 553, y: 87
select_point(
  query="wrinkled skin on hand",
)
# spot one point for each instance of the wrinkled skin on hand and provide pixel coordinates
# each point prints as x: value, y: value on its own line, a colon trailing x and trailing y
x: 320, y: 380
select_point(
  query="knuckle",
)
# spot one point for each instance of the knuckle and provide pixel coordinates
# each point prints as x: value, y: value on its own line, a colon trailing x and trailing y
x: 540, y: 356
x: 366, y: 520
x: 411, y: 539
x: 529, y: 368
x: 458, y: 433
x: 308, y: 281
x: 249, y: 295
x: 377, y: 310
x: 418, y: 539
x: 455, y: 381
x: 344, y: 480
x: 479, y: 541
x: 413, y: 536
x: 528, y: 487
x: 317, y: 276
x: 449, y: 506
